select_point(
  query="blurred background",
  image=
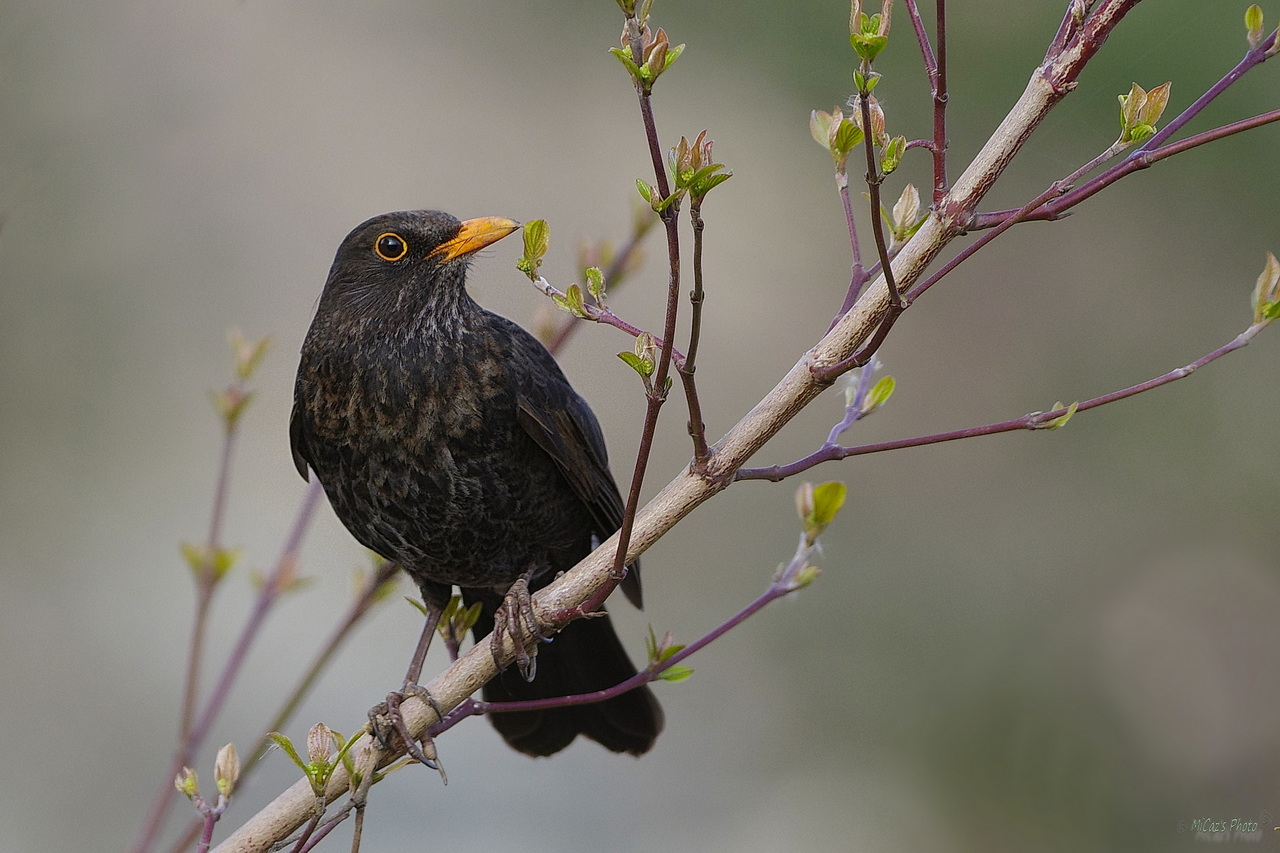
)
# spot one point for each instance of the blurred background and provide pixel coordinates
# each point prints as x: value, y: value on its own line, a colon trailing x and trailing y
x: 1050, y: 641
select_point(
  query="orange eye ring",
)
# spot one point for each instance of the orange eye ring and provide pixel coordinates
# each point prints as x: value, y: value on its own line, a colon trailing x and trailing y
x: 390, y: 246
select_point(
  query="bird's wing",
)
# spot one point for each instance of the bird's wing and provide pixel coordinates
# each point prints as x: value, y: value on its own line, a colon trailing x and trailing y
x: 571, y: 436
x: 298, y: 442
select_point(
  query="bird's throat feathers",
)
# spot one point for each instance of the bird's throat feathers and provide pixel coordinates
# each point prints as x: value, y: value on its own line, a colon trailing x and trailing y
x: 420, y: 307
x: 403, y: 365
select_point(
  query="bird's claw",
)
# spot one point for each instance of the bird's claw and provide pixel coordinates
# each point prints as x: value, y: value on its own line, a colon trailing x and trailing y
x: 385, y: 720
x: 516, y: 618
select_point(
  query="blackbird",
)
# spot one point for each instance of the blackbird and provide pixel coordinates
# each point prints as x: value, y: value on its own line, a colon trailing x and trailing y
x: 448, y: 441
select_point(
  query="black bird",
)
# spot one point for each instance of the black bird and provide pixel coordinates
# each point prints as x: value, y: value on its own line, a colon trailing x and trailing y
x: 448, y: 441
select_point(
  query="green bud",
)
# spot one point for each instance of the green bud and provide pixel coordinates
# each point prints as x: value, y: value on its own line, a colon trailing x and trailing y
x: 866, y: 82
x: 661, y: 651
x: 1253, y: 25
x: 893, y: 154
x: 804, y: 500
x: 868, y: 47
x: 320, y: 744
x: 817, y: 506
x: 246, y: 354
x: 215, y: 564
x: 231, y: 403
x: 1140, y: 112
x: 906, y: 218
x: 804, y: 577
x: 869, y: 34
x: 226, y: 769
x: 656, y: 60
x: 1266, y: 293
x: 466, y: 619
x: 646, y: 347
x: 187, y: 784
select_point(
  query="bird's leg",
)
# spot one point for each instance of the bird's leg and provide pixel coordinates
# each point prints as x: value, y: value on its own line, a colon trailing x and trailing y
x: 385, y: 718
x: 516, y: 617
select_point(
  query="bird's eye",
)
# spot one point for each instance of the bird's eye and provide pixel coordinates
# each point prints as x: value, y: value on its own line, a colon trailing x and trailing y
x: 390, y: 247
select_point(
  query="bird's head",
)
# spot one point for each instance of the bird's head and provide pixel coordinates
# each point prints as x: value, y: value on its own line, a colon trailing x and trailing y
x: 407, y: 263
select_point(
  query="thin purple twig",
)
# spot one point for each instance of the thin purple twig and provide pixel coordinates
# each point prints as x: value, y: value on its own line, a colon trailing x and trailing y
x: 1035, y: 420
x: 271, y: 590
x: 1012, y: 219
x: 1155, y: 149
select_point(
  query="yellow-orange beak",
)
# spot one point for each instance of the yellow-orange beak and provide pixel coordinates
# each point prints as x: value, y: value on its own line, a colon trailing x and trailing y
x: 474, y: 235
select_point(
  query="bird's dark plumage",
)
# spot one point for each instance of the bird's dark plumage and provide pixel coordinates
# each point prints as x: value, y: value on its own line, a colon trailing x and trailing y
x: 449, y: 441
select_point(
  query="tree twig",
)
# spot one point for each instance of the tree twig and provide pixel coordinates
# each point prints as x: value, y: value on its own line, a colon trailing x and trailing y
x: 687, y: 366
x: 831, y: 451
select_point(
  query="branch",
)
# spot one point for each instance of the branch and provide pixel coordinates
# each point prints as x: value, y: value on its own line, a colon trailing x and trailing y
x: 1155, y: 149
x: 936, y: 69
x: 1012, y: 218
x: 658, y: 393
x: 614, y: 276
x: 830, y: 451
x: 1138, y: 160
x: 687, y: 366
x: 282, y: 576
x: 598, y: 314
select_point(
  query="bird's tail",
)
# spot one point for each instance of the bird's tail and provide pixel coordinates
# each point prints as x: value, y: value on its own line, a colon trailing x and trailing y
x: 584, y: 657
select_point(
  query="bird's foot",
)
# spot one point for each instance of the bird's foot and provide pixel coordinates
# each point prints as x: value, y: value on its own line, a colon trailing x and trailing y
x: 386, y: 723
x: 516, y: 618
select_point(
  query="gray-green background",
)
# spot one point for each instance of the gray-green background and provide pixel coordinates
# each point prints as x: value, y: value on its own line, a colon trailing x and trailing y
x: 1058, y: 641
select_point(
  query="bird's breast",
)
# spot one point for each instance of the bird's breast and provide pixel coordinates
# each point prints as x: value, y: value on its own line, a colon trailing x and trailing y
x: 423, y: 458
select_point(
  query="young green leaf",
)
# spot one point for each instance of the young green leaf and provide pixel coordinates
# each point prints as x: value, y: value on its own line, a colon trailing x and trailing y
x: 537, y: 239
x: 577, y: 307
x: 595, y: 284
x: 878, y: 396
x: 286, y: 745
x: 820, y: 126
x: 828, y: 498
x: 847, y: 137
x: 636, y: 363
x: 624, y: 56
x: 675, y: 673
x: 1061, y: 420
